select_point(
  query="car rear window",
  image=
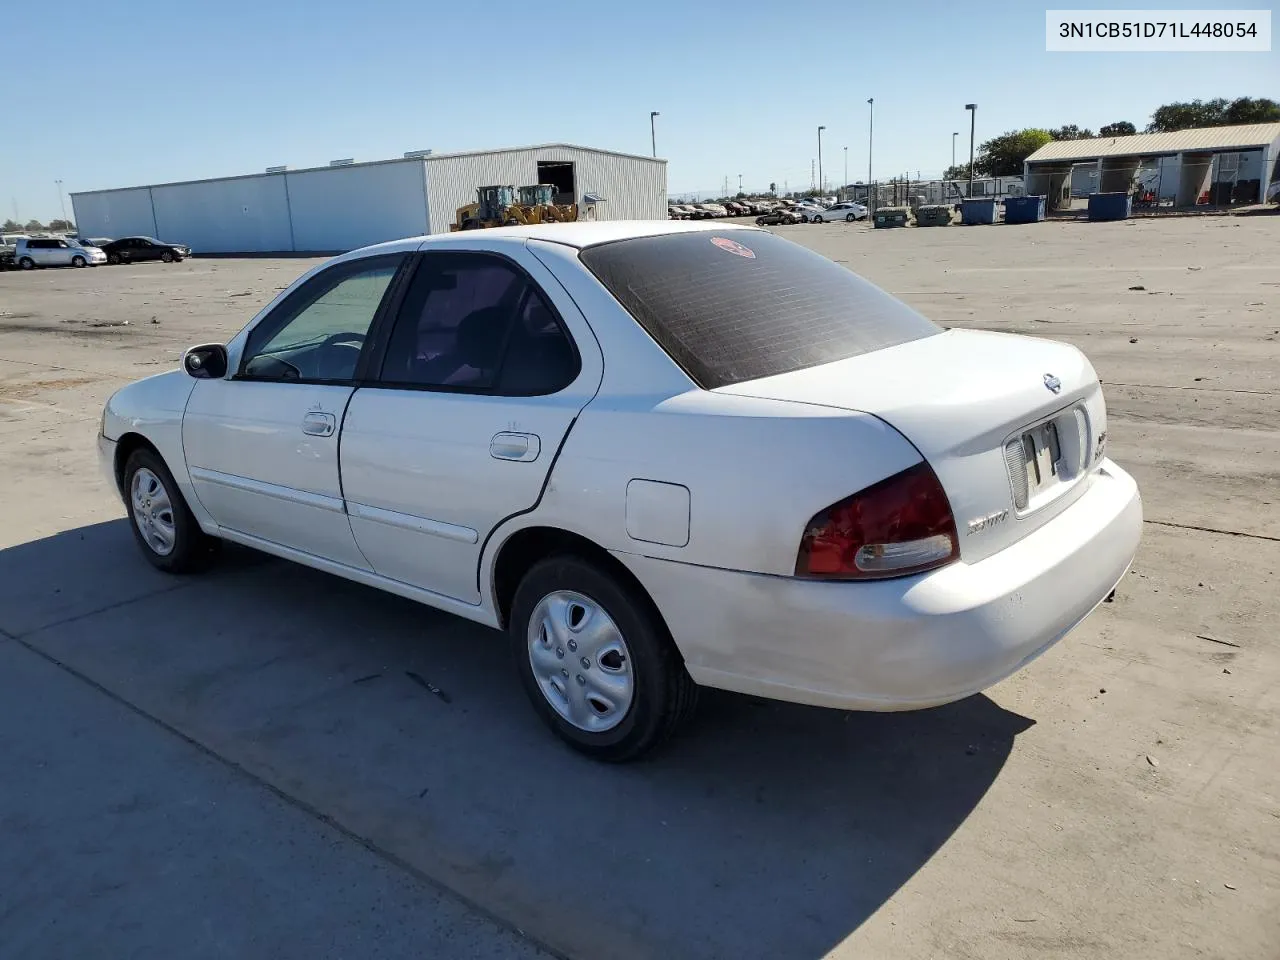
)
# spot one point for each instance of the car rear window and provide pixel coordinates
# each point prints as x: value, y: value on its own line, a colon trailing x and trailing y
x: 747, y: 304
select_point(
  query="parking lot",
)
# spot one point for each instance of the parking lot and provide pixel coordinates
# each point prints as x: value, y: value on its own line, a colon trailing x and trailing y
x: 248, y: 764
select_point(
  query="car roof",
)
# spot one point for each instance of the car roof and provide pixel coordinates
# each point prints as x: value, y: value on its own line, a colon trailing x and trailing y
x: 584, y: 233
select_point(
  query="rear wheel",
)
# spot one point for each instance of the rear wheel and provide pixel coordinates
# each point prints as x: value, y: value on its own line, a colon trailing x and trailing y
x: 26, y: 263
x: 597, y: 661
x: 851, y: 217
x: 78, y: 261
x: 163, y: 524
x: 817, y: 218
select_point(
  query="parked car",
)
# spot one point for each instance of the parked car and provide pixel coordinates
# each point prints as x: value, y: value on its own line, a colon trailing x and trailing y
x: 714, y: 209
x: 93, y: 241
x: 32, y: 252
x: 808, y: 210
x: 841, y: 211
x: 133, y: 249
x: 778, y: 216
x: 8, y: 246
x: 455, y: 419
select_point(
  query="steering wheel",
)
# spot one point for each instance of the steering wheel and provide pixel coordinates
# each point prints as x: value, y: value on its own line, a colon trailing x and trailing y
x: 354, y: 339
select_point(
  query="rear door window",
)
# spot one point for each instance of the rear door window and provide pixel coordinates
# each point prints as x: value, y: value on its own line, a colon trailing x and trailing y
x: 748, y: 304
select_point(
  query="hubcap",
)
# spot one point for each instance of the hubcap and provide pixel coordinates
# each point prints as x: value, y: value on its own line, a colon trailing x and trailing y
x: 580, y: 661
x: 152, y: 511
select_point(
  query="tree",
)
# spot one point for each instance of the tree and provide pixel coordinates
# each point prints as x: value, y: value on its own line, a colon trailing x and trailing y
x: 33, y: 226
x: 773, y: 188
x: 1121, y: 129
x: 1249, y: 110
x: 11, y: 226
x: 959, y: 172
x: 61, y: 226
x: 1002, y: 156
x: 1071, y: 132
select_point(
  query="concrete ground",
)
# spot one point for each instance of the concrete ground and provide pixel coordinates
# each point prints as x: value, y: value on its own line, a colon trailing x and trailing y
x: 239, y: 764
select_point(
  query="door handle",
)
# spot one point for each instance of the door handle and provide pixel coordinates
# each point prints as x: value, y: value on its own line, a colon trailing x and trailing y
x: 316, y: 424
x: 515, y: 446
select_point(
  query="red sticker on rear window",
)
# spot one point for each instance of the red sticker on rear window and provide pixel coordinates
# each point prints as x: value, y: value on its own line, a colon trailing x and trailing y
x: 733, y: 246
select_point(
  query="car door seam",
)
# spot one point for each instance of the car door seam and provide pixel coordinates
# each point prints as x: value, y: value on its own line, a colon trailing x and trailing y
x: 342, y: 491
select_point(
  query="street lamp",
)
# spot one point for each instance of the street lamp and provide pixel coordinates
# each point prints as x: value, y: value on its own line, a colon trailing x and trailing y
x: 845, y: 184
x: 954, y: 134
x: 871, y: 129
x: 973, y: 116
x: 653, y: 135
x: 821, y: 188
x: 63, y: 203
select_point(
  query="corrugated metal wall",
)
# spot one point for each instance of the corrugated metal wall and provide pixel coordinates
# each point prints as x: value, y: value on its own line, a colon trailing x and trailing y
x: 246, y: 215
x: 341, y: 208
x: 118, y: 213
x: 635, y: 188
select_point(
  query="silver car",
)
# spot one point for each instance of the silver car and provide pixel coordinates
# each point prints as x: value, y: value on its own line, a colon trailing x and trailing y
x: 32, y: 252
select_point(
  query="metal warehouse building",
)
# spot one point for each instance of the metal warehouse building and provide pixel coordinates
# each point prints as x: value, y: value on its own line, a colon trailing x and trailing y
x: 1217, y: 166
x: 347, y: 205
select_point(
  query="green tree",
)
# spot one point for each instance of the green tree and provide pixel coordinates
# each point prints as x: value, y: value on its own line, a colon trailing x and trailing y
x: 11, y: 226
x: 1183, y: 116
x: 33, y: 226
x: 61, y: 226
x: 1002, y: 156
x: 959, y: 172
x: 1122, y: 129
x: 1071, y: 132
x: 1250, y: 110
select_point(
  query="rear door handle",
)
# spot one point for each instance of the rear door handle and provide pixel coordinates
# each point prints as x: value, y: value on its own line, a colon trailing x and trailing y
x: 316, y: 424
x: 515, y: 446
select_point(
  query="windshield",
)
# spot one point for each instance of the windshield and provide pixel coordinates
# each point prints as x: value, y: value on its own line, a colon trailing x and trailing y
x: 729, y: 310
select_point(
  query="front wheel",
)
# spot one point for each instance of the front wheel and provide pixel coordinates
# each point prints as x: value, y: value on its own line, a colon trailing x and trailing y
x: 113, y: 258
x: 166, y: 257
x: 596, y: 660
x: 163, y: 524
x: 78, y: 261
x: 26, y: 263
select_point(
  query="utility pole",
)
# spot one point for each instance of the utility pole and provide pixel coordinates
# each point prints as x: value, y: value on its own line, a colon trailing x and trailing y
x: 739, y: 183
x: 954, y: 134
x: 871, y: 131
x: 653, y: 134
x: 844, y: 185
x: 822, y: 188
x: 63, y: 203
x: 811, y: 168
x: 973, y: 119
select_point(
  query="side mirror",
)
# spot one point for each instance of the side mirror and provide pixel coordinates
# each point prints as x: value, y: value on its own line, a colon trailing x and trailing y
x: 206, y: 362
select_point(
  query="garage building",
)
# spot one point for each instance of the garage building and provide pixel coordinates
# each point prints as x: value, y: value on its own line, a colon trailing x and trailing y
x: 346, y: 205
x: 1217, y: 166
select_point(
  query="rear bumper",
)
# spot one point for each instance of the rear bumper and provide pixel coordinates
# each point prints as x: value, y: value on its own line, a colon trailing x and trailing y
x: 901, y: 644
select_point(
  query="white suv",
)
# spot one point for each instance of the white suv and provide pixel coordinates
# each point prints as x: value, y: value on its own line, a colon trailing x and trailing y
x: 32, y: 252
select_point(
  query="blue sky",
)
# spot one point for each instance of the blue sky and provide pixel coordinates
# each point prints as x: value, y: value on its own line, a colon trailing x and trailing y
x: 145, y: 92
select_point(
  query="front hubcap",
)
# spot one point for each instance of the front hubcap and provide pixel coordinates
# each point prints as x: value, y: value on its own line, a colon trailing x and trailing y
x: 580, y: 661
x: 152, y: 511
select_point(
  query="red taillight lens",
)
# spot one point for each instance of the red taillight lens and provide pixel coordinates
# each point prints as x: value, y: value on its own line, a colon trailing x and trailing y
x: 899, y: 526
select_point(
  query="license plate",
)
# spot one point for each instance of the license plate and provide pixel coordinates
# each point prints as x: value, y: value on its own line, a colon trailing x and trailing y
x: 1042, y: 456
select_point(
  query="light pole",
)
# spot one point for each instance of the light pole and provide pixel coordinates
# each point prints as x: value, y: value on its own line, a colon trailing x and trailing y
x: 844, y: 186
x: 63, y: 203
x: 973, y: 116
x: 871, y: 130
x: 739, y: 183
x: 954, y: 134
x: 821, y: 188
x: 653, y: 133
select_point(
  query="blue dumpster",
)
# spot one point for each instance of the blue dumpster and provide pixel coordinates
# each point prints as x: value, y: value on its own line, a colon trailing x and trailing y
x: 1023, y: 209
x: 1110, y: 206
x: 977, y: 211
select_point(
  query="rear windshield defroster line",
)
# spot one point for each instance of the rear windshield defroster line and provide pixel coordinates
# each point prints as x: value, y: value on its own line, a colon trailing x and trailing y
x: 744, y: 304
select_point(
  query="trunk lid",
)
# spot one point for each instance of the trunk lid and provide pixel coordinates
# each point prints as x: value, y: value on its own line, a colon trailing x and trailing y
x: 1010, y: 450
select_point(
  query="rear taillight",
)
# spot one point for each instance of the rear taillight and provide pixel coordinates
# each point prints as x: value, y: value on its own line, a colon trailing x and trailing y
x: 899, y: 526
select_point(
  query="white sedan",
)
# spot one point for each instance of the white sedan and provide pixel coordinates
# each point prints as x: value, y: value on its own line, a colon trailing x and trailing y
x: 840, y: 211
x: 658, y: 455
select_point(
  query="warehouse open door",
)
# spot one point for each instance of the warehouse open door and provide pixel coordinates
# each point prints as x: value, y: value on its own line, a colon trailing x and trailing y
x: 560, y: 174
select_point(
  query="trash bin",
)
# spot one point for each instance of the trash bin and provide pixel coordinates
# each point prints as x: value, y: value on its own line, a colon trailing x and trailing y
x: 978, y: 211
x: 891, y: 217
x: 1023, y: 209
x: 933, y: 215
x: 1110, y: 206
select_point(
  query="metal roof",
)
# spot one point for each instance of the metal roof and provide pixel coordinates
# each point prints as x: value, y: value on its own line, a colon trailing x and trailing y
x: 1250, y: 136
x: 431, y: 158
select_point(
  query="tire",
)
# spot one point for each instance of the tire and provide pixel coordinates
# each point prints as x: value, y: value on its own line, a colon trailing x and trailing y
x: 173, y: 541
x: 817, y: 218
x: 641, y: 658
x: 113, y: 258
x: 26, y: 263
x: 850, y: 218
x: 759, y: 221
x: 78, y: 261
x: 166, y: 257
